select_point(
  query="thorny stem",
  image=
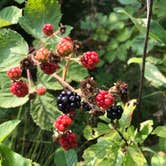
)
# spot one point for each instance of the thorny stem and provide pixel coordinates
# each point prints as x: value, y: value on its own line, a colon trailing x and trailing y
x: 149, y: 14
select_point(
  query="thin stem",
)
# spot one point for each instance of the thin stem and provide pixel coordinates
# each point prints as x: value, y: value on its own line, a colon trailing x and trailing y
x: 120, y: 134
x: 63, y: 83
x: 149, y: 14
x: 29, y: 79
x: 65, y: 69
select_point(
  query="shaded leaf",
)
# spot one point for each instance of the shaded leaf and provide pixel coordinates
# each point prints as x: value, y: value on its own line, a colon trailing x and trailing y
x: 65, y: 158
x: 159, y: 159
x: 10, y: 158
x: 6, y: 128
x: 9, y: 15
x: 160, y: 131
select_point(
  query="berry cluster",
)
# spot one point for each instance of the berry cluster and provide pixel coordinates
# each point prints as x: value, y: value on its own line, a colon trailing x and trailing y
x: 68, y: 101
x: 42, y: 54
x: 114, y: 112
x: 48, y: 29
x: 48, y: 68
x: 104, y: 99
x: 41, y: 90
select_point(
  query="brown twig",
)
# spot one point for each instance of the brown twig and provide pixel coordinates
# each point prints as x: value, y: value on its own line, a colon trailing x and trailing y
x: 29, y: 79
x: 63, y: 83
x: 65, y: 68
x: 149, y: 14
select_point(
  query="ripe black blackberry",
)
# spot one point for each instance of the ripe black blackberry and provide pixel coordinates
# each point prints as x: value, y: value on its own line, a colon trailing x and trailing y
x: 114, y: 112
x: 68, y: 101
x: 86, y: 106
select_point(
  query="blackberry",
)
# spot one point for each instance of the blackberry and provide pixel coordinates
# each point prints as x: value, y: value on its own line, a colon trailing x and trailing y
x: 86, y: 106
x: 68, y: 101
x: 114, y: 112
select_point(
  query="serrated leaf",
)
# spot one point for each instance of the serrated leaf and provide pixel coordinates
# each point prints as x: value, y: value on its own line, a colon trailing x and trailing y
x: 7, y: 99
x: 160, y: 131
x: 127, y: 114
x: 65, y: 158
x: 6, y: 128
x: 145, y: 129
x: 134, y: 156
x: 92, y: 133
x: 13, y: 48
x: 10, y: 158
x: 106, y: 145
x: 39, y: 12
x: 9, y: 15
x: 44, y: 111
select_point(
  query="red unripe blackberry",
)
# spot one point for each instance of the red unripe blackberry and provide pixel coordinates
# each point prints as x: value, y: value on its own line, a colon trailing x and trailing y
x: 104, y: 99
x: 90, y: 59
x: 14, y: 73
x: 48, y: 68
x: 68, y: 141
x: 48, y: 29
x: 19, y: 88
x: 41, y: 90
x: 65, y: 46
x: 42, y: 54
x: 63, y: 123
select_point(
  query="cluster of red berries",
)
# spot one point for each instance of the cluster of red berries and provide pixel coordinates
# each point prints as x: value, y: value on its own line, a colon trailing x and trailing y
x: 67, y: 140
x: 18, y: 87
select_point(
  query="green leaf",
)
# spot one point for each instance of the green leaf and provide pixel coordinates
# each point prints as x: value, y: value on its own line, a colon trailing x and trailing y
x: 134, y: 156
x: 92, y: 133
x: 76, y: 72
x: 160, y: 131
x: 39, y: 12
x: 106, y: 146
x: 159, y: 159
x: 65, y: 158
x: 145, y: 129
x: 10, y: 158
x: 20, y: 1
x: 127, y: 2
x: 159, y: 8
x: 9, y: 15
x: 157, y: 32
x: 127, y: 113
x: 13, y: 48
x: 8, y: 100
x: 44, y: 111
x: 152, y: 74
x: 6, y: 128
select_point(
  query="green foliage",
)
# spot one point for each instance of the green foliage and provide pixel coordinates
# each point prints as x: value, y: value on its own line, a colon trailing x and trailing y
x: 44, y: 111
x: 10, y: 158
x: 6, y: 128
x: 7, y: 99
x: 160, y: 131
x: 12, y: 47
x: 39, y: 12
x: 65, y: 158
x: 9, y: 15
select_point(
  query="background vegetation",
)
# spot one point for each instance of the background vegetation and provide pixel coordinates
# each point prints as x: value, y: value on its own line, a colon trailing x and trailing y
x: 116, y: 30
